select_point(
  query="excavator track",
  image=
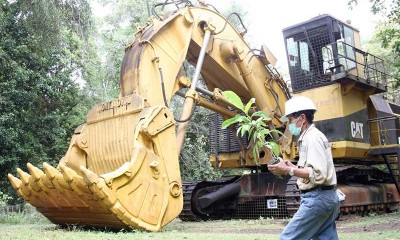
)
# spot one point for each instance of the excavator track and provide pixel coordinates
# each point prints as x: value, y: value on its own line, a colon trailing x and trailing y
x: 292, y: 196
x: 362, y: 196
x: 190, y: 189
x: 240, y: 206
x: 187, y: 213
x: 367, y: 189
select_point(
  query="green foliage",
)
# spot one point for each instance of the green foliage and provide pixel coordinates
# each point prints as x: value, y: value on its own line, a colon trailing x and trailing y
x: 194, y: 159
x: 388, y: 32
x: 114, y: 32
x: 42, y: 55
x: 26, y: 214
x: 253, y: 125
x: 236, y: 7
x: 374, y: 46
x: 4, y: 199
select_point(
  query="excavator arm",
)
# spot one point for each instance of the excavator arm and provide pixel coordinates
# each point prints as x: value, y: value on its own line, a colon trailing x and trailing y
x: 121, y: 169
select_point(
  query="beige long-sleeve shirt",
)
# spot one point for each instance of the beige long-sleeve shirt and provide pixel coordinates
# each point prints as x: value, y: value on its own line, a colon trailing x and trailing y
x: 315, y: 155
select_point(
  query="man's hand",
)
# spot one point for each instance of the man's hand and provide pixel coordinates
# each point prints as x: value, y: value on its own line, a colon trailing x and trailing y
x: 290, y: 164
x: 280, y: 168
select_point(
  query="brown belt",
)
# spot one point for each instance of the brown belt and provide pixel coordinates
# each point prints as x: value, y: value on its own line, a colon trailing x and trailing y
x: 320, y: 187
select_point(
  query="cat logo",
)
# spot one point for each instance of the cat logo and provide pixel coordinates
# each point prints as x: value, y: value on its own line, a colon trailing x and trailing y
x: 357, y: 130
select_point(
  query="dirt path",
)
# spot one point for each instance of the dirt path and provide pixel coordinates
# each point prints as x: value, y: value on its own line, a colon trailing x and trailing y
x: 346, y: 224
x: 369, y: 224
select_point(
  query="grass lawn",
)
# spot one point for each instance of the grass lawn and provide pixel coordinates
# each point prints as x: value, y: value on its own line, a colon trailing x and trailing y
x: 34, y: 226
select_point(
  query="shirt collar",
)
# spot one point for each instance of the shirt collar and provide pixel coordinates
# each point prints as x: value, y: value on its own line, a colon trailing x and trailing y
x: 305, y: 132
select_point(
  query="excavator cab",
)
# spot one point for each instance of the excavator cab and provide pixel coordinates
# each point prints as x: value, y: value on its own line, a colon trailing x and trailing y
x: 348, y: 86
x: 324, y: 50
x: 324, y: 55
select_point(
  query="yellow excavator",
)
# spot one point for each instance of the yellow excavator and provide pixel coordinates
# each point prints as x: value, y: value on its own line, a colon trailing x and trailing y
x: 121, y: 170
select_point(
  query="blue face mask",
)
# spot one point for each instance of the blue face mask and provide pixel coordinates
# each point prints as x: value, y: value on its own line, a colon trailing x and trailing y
x: 293, y: 129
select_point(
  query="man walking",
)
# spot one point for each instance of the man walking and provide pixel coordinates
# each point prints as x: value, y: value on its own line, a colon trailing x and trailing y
x: 319, y: 206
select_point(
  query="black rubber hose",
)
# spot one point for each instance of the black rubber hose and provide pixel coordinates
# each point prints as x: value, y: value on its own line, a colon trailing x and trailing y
x: 166, y: 103
x: 226, y: 22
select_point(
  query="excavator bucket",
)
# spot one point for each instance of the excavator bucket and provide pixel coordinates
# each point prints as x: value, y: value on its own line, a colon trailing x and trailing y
x: 116, y: 173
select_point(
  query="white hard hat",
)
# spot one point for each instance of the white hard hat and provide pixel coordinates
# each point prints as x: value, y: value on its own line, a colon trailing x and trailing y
x: 296, y: 104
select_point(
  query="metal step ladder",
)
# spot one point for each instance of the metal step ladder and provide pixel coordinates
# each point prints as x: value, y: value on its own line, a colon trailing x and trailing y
x: 389, y: 153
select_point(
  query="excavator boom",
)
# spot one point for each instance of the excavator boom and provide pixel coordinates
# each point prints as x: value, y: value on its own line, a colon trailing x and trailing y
x: 121, y: 169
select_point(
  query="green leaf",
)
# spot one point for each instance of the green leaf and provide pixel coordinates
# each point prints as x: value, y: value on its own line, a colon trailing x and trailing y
x: 255, y: 125
x: 245, y: 128
x: 274, y: 147
x: 238, y: 130
x: 265, y: 131
x: 248, y: 106
x: 262, y: 124
x: 259, y: 136
x: 230, y: 121
x: 260, y: 114
x: 277, y: 131
x: 256, y: 155
x: 234, y: 99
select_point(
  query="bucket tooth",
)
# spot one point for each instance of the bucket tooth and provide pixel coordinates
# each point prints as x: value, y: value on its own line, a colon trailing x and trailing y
x: 24, y: 176
x: 50, y: 171
x: 45, y: 182
x: 18, y: 185
x: 35, y: 177
x: 89, y: 176
x: 67, y: 173
x: 55, y: 192
x: 28, y: 182
x: 31, y: 192
x: 35, y: 172
x: 34, y: 185
x: 15, y: 182
x: 40, y: 177
x: 74, y: 180
x: 23, y: 186
x: 56, y: 177
x: 65, y: 194
x: 98, y: 187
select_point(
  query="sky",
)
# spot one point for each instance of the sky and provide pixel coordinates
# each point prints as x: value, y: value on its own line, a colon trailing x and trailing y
x: 266, y: 19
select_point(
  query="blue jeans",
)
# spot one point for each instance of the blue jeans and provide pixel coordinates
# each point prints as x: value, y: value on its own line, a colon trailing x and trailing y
x: 315, y: 218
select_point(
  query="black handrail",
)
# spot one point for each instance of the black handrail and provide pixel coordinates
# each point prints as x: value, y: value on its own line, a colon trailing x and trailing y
x: 366, y: 66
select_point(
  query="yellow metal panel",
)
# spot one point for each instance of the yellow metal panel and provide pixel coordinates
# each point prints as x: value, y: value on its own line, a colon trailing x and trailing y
x: 349, y: 149
x: 335, y: 101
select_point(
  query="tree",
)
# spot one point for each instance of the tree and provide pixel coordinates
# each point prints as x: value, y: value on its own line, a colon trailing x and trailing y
x: 389, y: 31
x: 374, y: 46
x: 41, y: 66
x: 115, y: 31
